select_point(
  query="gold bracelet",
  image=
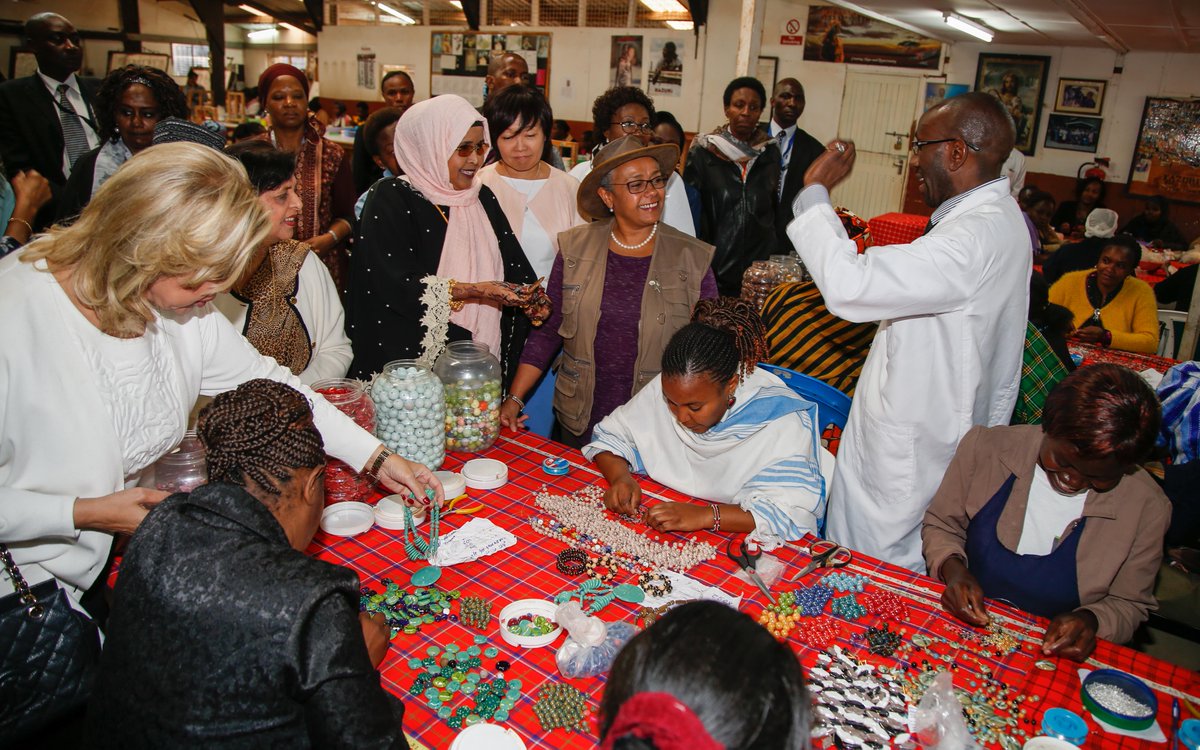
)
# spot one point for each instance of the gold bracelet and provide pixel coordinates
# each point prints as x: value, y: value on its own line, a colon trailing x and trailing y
x: 455, y: 304
x: 26, y: 223
x: 384, y: 455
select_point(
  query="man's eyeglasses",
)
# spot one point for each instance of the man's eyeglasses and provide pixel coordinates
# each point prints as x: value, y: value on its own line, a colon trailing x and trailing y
x: 918, y: 145
x: 639, y: 186
x: 630, y: 127
x: 465, y: 150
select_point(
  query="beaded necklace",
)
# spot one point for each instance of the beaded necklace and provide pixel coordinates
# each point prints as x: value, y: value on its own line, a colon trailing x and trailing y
x: 416, y: 547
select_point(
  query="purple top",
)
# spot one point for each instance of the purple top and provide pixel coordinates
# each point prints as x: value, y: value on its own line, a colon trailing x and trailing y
x: 1033, y: 233
x: 616, y: 334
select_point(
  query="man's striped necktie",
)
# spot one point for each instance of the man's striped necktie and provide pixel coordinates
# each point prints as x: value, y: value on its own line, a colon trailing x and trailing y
x: 73, y: 135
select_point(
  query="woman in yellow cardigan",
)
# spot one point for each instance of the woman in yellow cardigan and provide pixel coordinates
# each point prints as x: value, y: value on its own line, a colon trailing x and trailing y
x: 1111, y: 307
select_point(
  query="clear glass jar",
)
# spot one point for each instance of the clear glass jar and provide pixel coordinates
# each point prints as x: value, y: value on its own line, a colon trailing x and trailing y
x: 471, y: 377
x: 760, y: 278
x: 184, y: 468
x: 410, y: 412
x: 790, y: 268
x: 342, y: 481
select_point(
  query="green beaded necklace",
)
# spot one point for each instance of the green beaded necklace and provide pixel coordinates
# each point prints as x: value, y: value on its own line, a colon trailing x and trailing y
x: 416, y: 547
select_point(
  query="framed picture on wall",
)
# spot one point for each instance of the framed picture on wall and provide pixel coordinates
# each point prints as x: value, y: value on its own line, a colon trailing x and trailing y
x: 459, y: 61
x: 1073, y: 132
x: 147, y: 59
x: 21, y: 63
x: 1080, y: 96
x: 1166, y: 160
x: 1019, y: 82
x: 767, y: 73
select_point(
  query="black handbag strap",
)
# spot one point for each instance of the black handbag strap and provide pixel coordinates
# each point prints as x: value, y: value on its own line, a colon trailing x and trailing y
x: 33, y: 608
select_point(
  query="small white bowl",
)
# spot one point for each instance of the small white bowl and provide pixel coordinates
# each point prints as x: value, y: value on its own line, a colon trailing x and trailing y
x: 452, y: 482
x: 347, y: 519
x: 530, y: 607
x: 484, y: 474
x: 1047, y: 743
x: 389, y: 513
x: 485, y: 736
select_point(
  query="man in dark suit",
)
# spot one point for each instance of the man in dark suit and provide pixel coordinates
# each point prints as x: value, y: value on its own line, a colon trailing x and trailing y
x: 46, y: 119
x: 798, y: 148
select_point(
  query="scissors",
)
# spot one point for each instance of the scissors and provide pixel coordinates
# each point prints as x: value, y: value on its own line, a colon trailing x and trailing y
x: 748, y: 560
x: 448, y: 508
x: 825, y: 555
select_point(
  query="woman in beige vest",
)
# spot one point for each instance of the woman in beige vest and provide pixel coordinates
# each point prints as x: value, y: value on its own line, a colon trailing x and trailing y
x: 620, y: 287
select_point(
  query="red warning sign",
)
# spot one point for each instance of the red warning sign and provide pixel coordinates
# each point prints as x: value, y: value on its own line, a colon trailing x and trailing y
x: 792, y: 37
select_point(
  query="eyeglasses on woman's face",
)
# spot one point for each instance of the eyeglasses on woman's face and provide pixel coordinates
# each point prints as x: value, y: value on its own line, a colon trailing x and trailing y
x: 639, y: 186
x: 467, y: 149
x: 629, y: 127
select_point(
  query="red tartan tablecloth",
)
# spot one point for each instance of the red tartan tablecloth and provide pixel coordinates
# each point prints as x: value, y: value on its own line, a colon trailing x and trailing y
x: 527, y: 570
x: 896, y: 228
x: 1136, y: 362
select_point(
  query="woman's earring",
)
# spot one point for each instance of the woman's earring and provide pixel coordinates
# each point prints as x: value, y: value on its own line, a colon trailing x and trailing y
x: 732, y: 401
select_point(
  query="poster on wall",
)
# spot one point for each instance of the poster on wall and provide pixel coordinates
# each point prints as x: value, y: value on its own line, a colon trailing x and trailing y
x: 1018, y: 81
x: 841, y: 35
x: 936, y: 93
x: 625, y: 61
x: 666, y: 67
x: 1073, y: 133
x: 1166, y: 160
x: 459, y: 61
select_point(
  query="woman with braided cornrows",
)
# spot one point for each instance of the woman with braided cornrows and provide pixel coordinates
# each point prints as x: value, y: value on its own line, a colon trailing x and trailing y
x: 717, y: 427
x: 223, y: 632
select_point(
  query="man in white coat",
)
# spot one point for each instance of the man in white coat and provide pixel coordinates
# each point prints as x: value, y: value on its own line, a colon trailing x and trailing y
x: 952, y: 306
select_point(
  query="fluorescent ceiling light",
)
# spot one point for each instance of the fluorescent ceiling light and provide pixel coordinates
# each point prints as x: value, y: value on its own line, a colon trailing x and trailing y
x: 406, y: 20
x: 287, y: 25
x: 261, y: 33
x: 681, y: 25
x: 456, y: 4
x: 664, y: 6
x: 252, y: 11
x: 966, y: 25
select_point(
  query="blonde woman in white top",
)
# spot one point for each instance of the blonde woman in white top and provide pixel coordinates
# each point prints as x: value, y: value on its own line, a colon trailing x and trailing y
x: 538, y: 200
x: 109, y: 338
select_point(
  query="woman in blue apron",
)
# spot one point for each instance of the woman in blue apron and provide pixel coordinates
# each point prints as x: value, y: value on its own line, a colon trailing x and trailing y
x: 1058, y: 520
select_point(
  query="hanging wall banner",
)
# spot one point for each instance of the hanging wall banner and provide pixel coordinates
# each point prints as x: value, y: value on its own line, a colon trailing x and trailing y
x: 840, y: 35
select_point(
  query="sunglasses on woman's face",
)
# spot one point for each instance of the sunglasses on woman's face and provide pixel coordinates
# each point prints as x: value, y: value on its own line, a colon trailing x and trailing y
x: 465, y: 149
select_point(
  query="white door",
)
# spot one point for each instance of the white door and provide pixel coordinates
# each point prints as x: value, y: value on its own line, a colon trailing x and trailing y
x: 878, y: 112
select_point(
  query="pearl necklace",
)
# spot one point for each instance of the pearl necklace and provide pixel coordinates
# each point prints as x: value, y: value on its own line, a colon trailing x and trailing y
x: 613, y: 234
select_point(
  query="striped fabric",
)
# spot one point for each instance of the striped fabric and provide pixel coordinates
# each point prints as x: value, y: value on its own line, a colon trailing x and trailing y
x: 1180, y: 395
x: 72, y: 129
x: 1041, y: 370
x: 804, y: 336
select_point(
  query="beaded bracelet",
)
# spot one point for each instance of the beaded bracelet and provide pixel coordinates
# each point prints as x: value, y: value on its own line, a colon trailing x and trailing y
x: 716, y: 509
x: 655, y: 584
x: 608, y: 563
x: 571, y: 562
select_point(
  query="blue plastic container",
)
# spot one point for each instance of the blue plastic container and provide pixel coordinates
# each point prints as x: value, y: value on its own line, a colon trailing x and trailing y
x: 832, y: 405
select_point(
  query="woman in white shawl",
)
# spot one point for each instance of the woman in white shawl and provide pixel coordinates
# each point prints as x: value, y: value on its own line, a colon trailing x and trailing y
x: 715, y: 426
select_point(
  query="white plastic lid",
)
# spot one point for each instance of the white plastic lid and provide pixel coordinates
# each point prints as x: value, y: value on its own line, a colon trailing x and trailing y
x: 484, y: 736
x: 452, y: 482
x: 347, y: 519
x: 484, y: 474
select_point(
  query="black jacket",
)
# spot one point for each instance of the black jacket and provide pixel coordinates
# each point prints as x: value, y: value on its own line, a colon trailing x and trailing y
x: 223, y: 635
x: 805, y: 150
x: 736, y: 216
x: 31, y: 133
x: 400, y: 242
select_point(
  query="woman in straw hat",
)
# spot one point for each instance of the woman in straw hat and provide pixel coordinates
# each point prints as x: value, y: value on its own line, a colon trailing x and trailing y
x: 620, y: 288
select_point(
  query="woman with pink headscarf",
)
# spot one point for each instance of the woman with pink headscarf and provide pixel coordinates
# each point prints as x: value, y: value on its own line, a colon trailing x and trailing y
x: 436, y: 260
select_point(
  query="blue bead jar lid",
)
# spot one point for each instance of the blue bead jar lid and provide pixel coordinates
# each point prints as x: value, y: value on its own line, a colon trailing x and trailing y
x: 1065, y: 725
x: 556, y: 467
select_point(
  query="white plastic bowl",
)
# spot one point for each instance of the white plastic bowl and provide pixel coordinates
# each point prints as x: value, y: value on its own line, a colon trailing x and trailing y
x: 531, y: 607
x: 452, y: 482
x: 347, y: 519
x: 485, y: 736
x: 389, y: 514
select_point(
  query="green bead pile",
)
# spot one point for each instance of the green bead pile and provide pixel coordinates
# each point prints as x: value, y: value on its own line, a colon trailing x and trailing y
x: 562, y: 706
x: 407, y: 611
x: 475, y: 612
x: 847, y: 607
x: 445, y: 674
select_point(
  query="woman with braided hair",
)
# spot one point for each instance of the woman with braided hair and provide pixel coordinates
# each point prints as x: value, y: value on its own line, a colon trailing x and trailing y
x: 223, y: 631
x: 716, y: 426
